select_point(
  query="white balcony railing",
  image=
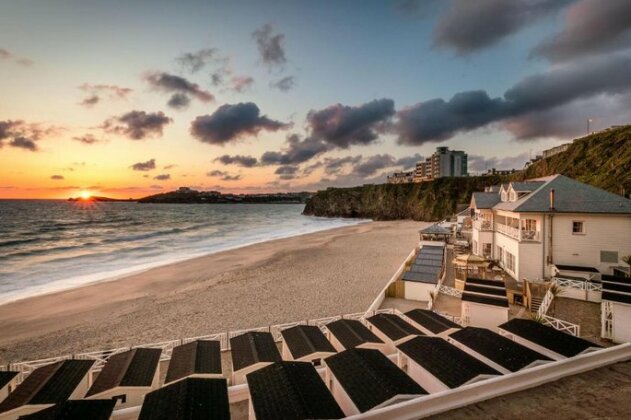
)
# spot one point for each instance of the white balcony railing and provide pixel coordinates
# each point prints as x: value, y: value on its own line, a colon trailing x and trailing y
x: 519, y: 234
x: 482, y: 225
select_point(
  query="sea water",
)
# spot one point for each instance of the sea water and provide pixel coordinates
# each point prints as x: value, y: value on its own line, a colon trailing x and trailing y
x: 48, y: 245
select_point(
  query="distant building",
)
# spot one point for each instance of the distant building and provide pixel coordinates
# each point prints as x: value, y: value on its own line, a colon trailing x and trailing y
x: 494, y: 171
x: 555, y: 150
x: 401, y: 178
x: 443, y: 163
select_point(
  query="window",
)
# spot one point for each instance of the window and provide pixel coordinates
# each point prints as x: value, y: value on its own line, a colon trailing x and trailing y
x: 609, y: 257
x: 510, y: 262
x: 486, y: 250
x: 577, y: 227
x: 530, y: 224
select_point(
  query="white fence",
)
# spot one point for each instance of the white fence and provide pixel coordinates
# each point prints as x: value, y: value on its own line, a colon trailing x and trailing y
x: 101, y: 356
x: 450, y: 291
x: 555, y: 323
x: 580, y: 289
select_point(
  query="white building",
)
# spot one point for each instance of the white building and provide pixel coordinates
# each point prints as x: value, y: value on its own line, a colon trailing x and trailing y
x: 616, y: 309
x: 537, y: 228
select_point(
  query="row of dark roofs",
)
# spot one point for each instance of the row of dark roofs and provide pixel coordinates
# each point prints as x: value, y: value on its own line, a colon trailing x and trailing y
x: 484, y: 291
x: 616, y: 289
x: 427, y: 265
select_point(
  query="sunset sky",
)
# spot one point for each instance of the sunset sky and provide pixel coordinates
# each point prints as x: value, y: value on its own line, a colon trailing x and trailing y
x: 130, y: 98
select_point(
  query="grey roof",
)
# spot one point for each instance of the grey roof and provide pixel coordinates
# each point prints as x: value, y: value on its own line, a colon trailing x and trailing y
x: 304, y: 340
x: 253, y: 347
x: 526, y: 186
x: 196, y: 357
x: 435, y: 229
x: 484, y: 200
x: 570, y: 197
x: 75, y: 410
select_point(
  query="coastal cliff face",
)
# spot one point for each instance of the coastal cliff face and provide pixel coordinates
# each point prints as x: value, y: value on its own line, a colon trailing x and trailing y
x: 602, y: 159
x: 423, y: 201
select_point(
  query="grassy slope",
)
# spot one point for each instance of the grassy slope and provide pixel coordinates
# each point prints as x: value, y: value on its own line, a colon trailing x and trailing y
x: 601, y: 159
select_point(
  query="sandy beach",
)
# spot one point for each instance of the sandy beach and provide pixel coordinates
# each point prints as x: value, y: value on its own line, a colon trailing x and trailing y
x: 310, y: 276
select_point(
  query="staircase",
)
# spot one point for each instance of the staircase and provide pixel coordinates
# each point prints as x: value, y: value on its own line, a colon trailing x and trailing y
x: 535, y: 303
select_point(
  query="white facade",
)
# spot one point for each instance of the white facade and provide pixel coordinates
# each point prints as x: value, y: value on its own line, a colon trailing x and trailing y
x: 620, y: 322
x: 8, y: 388
x: 415, y: 290
x: 485, y: 316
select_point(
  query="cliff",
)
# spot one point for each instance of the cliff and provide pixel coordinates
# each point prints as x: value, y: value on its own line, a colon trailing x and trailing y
x: 602, y: 159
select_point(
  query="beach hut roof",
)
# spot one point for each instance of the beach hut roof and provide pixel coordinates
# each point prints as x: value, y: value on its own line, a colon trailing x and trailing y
x: 191, y: 398
x: 435, y: 229
x: 485, y: 290
x: 450, y: 365
x: 6, y: 377
x: 75, y: 409
x: 352, y: 333
x: 133, y: 368
x: 485, y: 299
x: 303, y: 340
x: 497, y: 348
x: 291, y: 390
x: 253, y: 347
x: 431, y: 320
x: 393, y: 326
x: 50, y: 384
x: 617, y: 289
x: 369, y: 378
x: 559, y: 342
x: 196, y: 357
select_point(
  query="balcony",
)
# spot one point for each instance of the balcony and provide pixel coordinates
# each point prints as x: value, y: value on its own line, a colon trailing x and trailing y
x: 519, y: 234
x: 482, y: 225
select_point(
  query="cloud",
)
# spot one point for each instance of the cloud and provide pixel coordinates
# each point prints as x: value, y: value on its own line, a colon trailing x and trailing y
x: 297, y: 151
x: 166, y: 167
x: 57, y: 177
x: 284, y: 84
x: 270, y: 45
x: 179, y: 101
x: 373, y: 164
x: 225, y: 176
x: 86, y: 139
x: 591, y: 27
x: 241, y: 83
x: 472, y: 25
x: 144, y: 166
x: 195, y: 61
x: 9, y: 56
x: 409, y: 162
x: 137, y: 125
x: 162, y: 177
x: 180, y: 87
x: 96, y: 92
x: 343, y: 126
x: 287, y: 172
x: 438, y: 120
x: 24, y: 135
x: 239, y: 160
x: 232, y: 122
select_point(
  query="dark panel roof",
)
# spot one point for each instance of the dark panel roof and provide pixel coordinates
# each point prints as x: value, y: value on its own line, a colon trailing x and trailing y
x: 555, y: 340
x: 428, y: 269
x: 370, y: 378
x: 449, y: 364
x: 6, y: 377
x: 196, y: 357
x: 469, y: 287
x: 351, y: 333
x: 499, y: 349
x: 188, y: 399
x: 431, y: 320
x: 291, y: 390
x: 485, y: 282
x: 253, y: 347
x: 576, y: 268
x: 431, y: 263
x: 429, y: 256
x: 609, y: 286
x: 134, y: 367
x: 75, y: 410
x: 303, y: 340
x: 616, y: 279
x: 429, y: 278
x: 616, y: 297
x: 427, y: 249
x: 486, y: 300
x: 49, y: 384
x: 393, y: 326
x: 435, y: 229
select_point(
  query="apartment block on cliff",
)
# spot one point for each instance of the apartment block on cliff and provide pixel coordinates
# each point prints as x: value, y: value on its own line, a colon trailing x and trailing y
x: 540, y: 227
x: 442, y: 163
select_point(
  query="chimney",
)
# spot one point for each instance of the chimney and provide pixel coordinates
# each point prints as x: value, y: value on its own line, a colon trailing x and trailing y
x: 552, y: 199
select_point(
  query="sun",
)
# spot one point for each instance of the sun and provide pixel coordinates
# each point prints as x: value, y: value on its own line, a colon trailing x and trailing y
x: 85, y: 195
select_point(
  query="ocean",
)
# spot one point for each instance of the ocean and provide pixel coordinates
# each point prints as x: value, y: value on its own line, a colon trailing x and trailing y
x: 48, y: 246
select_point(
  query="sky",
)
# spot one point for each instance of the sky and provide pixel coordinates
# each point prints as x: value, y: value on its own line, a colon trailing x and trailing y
x: 127, y: 99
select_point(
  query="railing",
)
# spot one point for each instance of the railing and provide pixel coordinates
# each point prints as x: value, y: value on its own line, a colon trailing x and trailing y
x: 482, y: 225
x: 516, y: 233
x: 579, y: 284
x: 545, y: 303
x: 561, y: 325
x: 606, y: 320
